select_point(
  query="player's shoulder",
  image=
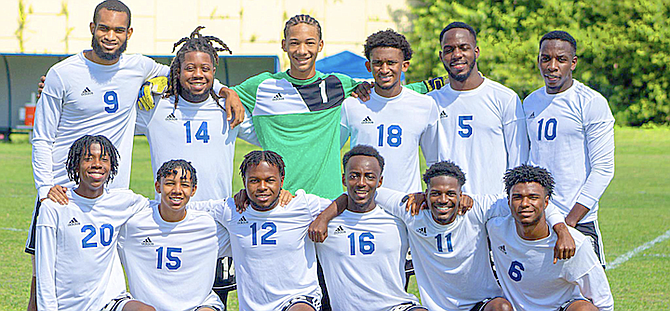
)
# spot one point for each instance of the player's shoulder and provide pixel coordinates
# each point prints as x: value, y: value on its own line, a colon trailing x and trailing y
x: 125, y: 195
x: 499, y: 224
x: 416, y: 97
x: 585, y: 93
x: 499, y: 90
x: 535, y: 95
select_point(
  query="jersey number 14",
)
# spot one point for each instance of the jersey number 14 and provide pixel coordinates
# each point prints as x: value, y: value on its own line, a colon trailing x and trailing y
x: 201, y: 134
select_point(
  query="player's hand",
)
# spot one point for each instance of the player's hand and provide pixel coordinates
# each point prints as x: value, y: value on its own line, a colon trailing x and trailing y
x: 40, y: 86
x: 565, y: 244
x: 285, y: 197
x: 318, y: 230
x: 57, y: 194
x: 415, y: 202
x: 234, y: 107
x: 150, y: 90
x: 362, y: 91
x: 241, y: 201
x: 466, y: 204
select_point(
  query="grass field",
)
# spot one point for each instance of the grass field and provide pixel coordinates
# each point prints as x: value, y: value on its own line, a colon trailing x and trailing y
x: 634, y: 212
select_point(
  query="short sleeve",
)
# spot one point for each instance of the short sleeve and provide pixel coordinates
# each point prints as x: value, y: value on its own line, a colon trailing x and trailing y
x: 316, y: 204
x: 247, y: 90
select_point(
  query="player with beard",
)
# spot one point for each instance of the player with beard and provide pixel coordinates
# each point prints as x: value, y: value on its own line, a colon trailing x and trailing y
x: 481, y: 121
x: 571, y: 131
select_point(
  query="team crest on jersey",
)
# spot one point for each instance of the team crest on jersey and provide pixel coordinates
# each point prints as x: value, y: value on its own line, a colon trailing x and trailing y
x: 147, y: 242
x: 73, y: 222
x: 502, y: 249
x: 277, y: 97
x: 339, y: 230
x: 86, y: 91
x: 171, y: 117
x: 242, y: 221
x: 422, y: 231
x: 367, y: 120
x: 532, y: 115
x: 443, y: 114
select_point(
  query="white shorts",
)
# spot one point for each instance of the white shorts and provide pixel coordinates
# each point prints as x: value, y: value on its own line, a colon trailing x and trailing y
x: 118, y: 302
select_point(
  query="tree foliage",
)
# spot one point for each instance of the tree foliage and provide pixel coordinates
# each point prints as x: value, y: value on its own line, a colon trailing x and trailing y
x: 623, y: 46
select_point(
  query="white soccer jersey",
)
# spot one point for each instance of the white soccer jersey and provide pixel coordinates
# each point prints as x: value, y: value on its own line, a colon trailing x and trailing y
x: 76, y: 258
x: 274, y: 258
x: 200, y: 134
x: 531, y: 281
x: 363, y: 261
x: 81, y: 97
x: 483, y: 132
x: 572, y: 135
x: 170, y: 265
x: 395, y: 127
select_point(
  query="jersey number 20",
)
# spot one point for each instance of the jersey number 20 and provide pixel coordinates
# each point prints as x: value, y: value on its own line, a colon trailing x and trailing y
x: 106, y: 233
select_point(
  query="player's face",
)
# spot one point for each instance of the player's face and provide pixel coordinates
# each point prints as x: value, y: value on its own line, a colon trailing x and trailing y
x: 176, y: 189
x: 263, y: 183
x: 459, y: 53
x: 110, y: 34
x: 386, y: 65
x: 527, y: 202
x: 302, y: 45
x: 362, y: 176
x: 556, y: 61
x: 444, y: 197
x: 196, y: 76
x: 94, y: 169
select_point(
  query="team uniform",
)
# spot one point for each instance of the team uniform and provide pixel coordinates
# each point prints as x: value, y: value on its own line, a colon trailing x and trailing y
x: 76, y: 260
x: 572, y: 135
x: 531, y: 281
x: 483, y: 131
x: 171, y: 265
x: 396, y: 127
x: 363, y: 260
x: 199, y: 133
x: 275, y: 261
x: 81, y: 97
x: 451, y: 262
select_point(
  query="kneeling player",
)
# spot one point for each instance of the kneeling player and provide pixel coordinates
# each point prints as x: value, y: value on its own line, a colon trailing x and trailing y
x: 76, y: 257
x: 522, y: 250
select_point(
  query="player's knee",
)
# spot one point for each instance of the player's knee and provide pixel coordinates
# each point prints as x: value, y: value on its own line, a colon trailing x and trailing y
x: 581, y: 305
x: 301, y: 307
x: 137, y: 306
x: 498, y: 304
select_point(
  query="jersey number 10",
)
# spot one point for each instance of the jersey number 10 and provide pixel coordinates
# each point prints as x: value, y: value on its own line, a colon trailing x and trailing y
x: 549, y: 129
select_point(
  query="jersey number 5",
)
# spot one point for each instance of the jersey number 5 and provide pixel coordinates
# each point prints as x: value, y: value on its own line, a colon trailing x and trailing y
x: 466, y: 129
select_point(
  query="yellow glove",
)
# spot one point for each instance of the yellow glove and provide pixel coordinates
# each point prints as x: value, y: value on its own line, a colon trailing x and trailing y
x: 436, y: 83
x: 154, y: 86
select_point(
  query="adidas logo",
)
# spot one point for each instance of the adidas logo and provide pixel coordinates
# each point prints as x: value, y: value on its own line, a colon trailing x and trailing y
x: 532, y: 115
x: 147, y: 242
x: 367, y: 120
x: 242, y: 221
x: 86, y: 91
x: 422, y: 231
x: 278, y: 97
x: 171, y: 117
x: 73, y: 222
x: 443, y: 114
x: 502, y: 249
x: 339, y: 230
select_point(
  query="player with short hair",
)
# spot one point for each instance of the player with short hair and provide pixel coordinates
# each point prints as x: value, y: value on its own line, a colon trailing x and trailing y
x: 450, y: 251
x: 76, y: 260
x: 481, y: 121
x: 363, y: 259
x: 522, y: 246
x: 395, y: 120
x: 571, y: 131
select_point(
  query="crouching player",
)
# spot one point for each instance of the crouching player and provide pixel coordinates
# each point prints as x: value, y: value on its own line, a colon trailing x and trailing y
x: 76, y: 258
x: 522, y: 250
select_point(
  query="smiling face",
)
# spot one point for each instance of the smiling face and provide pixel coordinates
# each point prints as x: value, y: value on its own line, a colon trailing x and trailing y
x: 362, y: 177
x: 302, y: 45
x: 444, y: 197
x: 527, y: 202
x: 196, y: 76
x: 94, y: 170
x: 263, y: 183
x: 110, y: 36
x: 459, y: 54
x: 386, y: 65
x: 176, y: 190
x: 556, y: 61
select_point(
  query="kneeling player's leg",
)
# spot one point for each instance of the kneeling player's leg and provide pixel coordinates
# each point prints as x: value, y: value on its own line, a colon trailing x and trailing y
x: 301, y: 307
x: 125, y: 302
x: 578, y: 305
x: 495, y: 304
x: 408, y: 306
x: 207, y: 309
x: 135, y: 305
x: 30, y: 249
x: 302, y: 303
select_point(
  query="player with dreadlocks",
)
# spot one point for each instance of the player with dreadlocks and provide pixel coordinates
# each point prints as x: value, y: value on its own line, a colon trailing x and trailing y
x: 76, y: 257
x: 522, y: 251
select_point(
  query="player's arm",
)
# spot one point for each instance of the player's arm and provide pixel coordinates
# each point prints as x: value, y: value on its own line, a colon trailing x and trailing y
x: 234, y: 107
x: 428, y: 140
x: 599, y: 132
x: 344, y: 125
x: 247, y: 130
x: 45, y: 259
x: 515, y: 133
x: 318, y: 229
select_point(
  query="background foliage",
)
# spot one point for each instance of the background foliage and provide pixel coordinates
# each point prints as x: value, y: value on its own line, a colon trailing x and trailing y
x: 623, y: 46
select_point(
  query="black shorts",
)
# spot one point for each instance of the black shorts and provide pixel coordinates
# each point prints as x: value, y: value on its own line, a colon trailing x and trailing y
x: 30, y: 242
x: 482, y: 304
x: 567, y: 304
x: 592, y: 231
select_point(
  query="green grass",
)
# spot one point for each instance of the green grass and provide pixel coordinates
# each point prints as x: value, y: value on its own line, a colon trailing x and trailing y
x: 634, y: 210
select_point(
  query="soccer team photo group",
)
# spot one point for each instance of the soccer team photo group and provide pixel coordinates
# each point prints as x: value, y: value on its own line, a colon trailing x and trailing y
x: 337, y: 208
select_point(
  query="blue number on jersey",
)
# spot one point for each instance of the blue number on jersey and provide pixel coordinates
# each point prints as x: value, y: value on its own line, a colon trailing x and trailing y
x: 265, y: 239
x: 393, y: 136
x: 466, y: 129
x: 438, y: 238
x: 106, y: 234
x: 515, y: 271
x: 549, y: 129
x: 112, y: 100
x: 173, y: 262
x: 200, y: 134
x: 366, y: 247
